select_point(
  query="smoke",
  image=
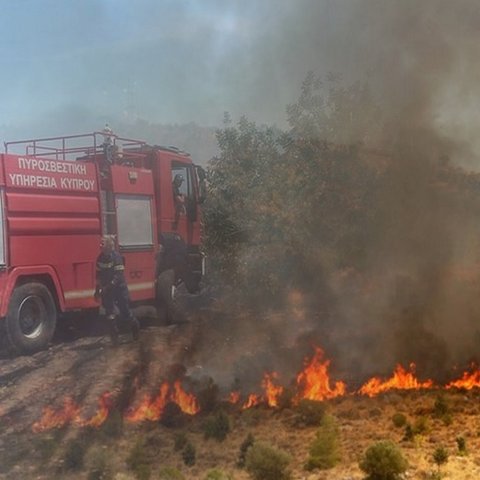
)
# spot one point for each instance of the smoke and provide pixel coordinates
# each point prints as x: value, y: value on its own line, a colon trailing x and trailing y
x: 181, y: 62
x: 416, y: 298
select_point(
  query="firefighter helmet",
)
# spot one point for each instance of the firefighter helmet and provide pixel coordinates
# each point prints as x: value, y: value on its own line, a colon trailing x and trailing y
x: 178, y: 180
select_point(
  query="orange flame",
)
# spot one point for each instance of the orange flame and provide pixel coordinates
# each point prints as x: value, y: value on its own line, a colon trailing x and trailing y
x: 272, y: 392
x: 150, y: 408
x: 69, y: 413
x: 234, y: 397
x: 105, y: 404
x: 314, y: 383
x: 468, y: 381
x: 186, y: 401
x: 401, y: 380
x: 252, y: 400
x: 153, y: 408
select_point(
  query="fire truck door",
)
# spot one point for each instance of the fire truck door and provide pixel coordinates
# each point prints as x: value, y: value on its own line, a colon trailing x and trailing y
x: 184, y: 199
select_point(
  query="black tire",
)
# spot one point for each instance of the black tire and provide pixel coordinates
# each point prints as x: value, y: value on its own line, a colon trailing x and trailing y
x: 166, y: 298
x: 31, y: 318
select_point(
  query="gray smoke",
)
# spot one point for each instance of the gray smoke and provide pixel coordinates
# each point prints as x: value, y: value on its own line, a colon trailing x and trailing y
x: 416, y: 300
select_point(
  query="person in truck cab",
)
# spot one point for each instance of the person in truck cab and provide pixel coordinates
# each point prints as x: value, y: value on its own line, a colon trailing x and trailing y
x: 111, y: 288
x: 178, y: 198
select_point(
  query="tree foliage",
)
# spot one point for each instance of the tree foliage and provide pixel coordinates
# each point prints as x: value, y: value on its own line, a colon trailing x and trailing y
x: 383, y: 461
x: 283, y: 206
x: 288, y: 209
x: 324, y: 452
x: 264, y: 462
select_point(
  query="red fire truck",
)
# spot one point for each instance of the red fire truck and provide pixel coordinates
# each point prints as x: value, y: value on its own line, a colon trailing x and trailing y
x: 59, y: 195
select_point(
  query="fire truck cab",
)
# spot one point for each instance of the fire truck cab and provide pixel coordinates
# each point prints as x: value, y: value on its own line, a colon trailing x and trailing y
x: 59, y: 195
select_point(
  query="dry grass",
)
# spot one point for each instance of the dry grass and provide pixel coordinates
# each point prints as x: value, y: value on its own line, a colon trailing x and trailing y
x: 361, y: 421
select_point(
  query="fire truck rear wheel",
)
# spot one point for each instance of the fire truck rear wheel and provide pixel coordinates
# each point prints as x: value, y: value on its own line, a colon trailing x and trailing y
x: 31, y: 318
x: 166, y: 297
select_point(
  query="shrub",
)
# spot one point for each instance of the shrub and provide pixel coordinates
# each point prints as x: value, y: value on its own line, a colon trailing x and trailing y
x: 75, y: 454
x: 324, y: 451
x: 310, y: 412
x: 217, y: 427
x: 440, y: 456
x: 45, y: 447
x: 263, y: 462
x: 113, y: 425
x: 399, y: 420
x: 137, y: 461
x: 99, y: 469
x: 218, y: 475
x: 383, y: 461
x: 462, y: 445
x: 409, y: 433
x: 172, y: 416
x: 189, y: 455
x: 170, y: 473
x: 180, y: 441
x: 441, y: 407
x: 447, y: 419
x: 246, y: 444
x: 420, y: 425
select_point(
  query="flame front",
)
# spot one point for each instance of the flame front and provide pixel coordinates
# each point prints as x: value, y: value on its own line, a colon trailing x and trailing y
x: 186, y: 401
x: 468, y: 380
x: 401, y: 380
x: 234, y: 397
x: 152, y: 408
x: 272, y: 392
x: 252, y: 400
x: 314, y: 383
x: 69, y: 413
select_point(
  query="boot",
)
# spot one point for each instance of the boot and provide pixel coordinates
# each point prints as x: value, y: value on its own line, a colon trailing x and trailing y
x: 135, y: 326
x: 114, y: 334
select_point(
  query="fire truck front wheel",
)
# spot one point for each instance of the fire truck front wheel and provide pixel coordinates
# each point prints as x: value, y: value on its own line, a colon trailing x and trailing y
x: 31, y: 318
x: 167, y: 298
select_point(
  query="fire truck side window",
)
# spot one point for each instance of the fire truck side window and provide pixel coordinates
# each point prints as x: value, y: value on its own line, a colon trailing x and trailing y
x: 186, y: 186
x: 134, y: 217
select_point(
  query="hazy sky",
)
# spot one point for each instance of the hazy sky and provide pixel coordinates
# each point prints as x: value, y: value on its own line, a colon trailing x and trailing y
x: 71, y: 65
x: 163, y: 60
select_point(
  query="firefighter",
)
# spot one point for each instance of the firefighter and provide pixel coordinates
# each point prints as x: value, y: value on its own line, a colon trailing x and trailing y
x: 178, y: 198
x: 112, y: 288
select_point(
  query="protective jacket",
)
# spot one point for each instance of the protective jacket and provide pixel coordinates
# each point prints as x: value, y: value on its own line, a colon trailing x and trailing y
x: 110, y: 270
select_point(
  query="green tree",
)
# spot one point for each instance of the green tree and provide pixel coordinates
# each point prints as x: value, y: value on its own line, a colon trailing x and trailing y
x: 264, y: 462
x: 324, y: 450
x: 383, y: 461
x: 440, y: 457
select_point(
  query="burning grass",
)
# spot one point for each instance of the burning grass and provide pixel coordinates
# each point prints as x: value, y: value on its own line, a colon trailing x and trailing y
x: 312, y: 383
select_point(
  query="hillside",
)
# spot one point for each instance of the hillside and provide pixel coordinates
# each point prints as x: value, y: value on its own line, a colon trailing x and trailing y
x: 85, y: 409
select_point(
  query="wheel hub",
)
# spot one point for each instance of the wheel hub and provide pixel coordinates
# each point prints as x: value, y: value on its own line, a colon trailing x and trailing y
x: 32, y: 316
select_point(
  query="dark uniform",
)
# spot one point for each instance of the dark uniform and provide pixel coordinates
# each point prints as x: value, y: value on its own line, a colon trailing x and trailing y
x: 114, y: 291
